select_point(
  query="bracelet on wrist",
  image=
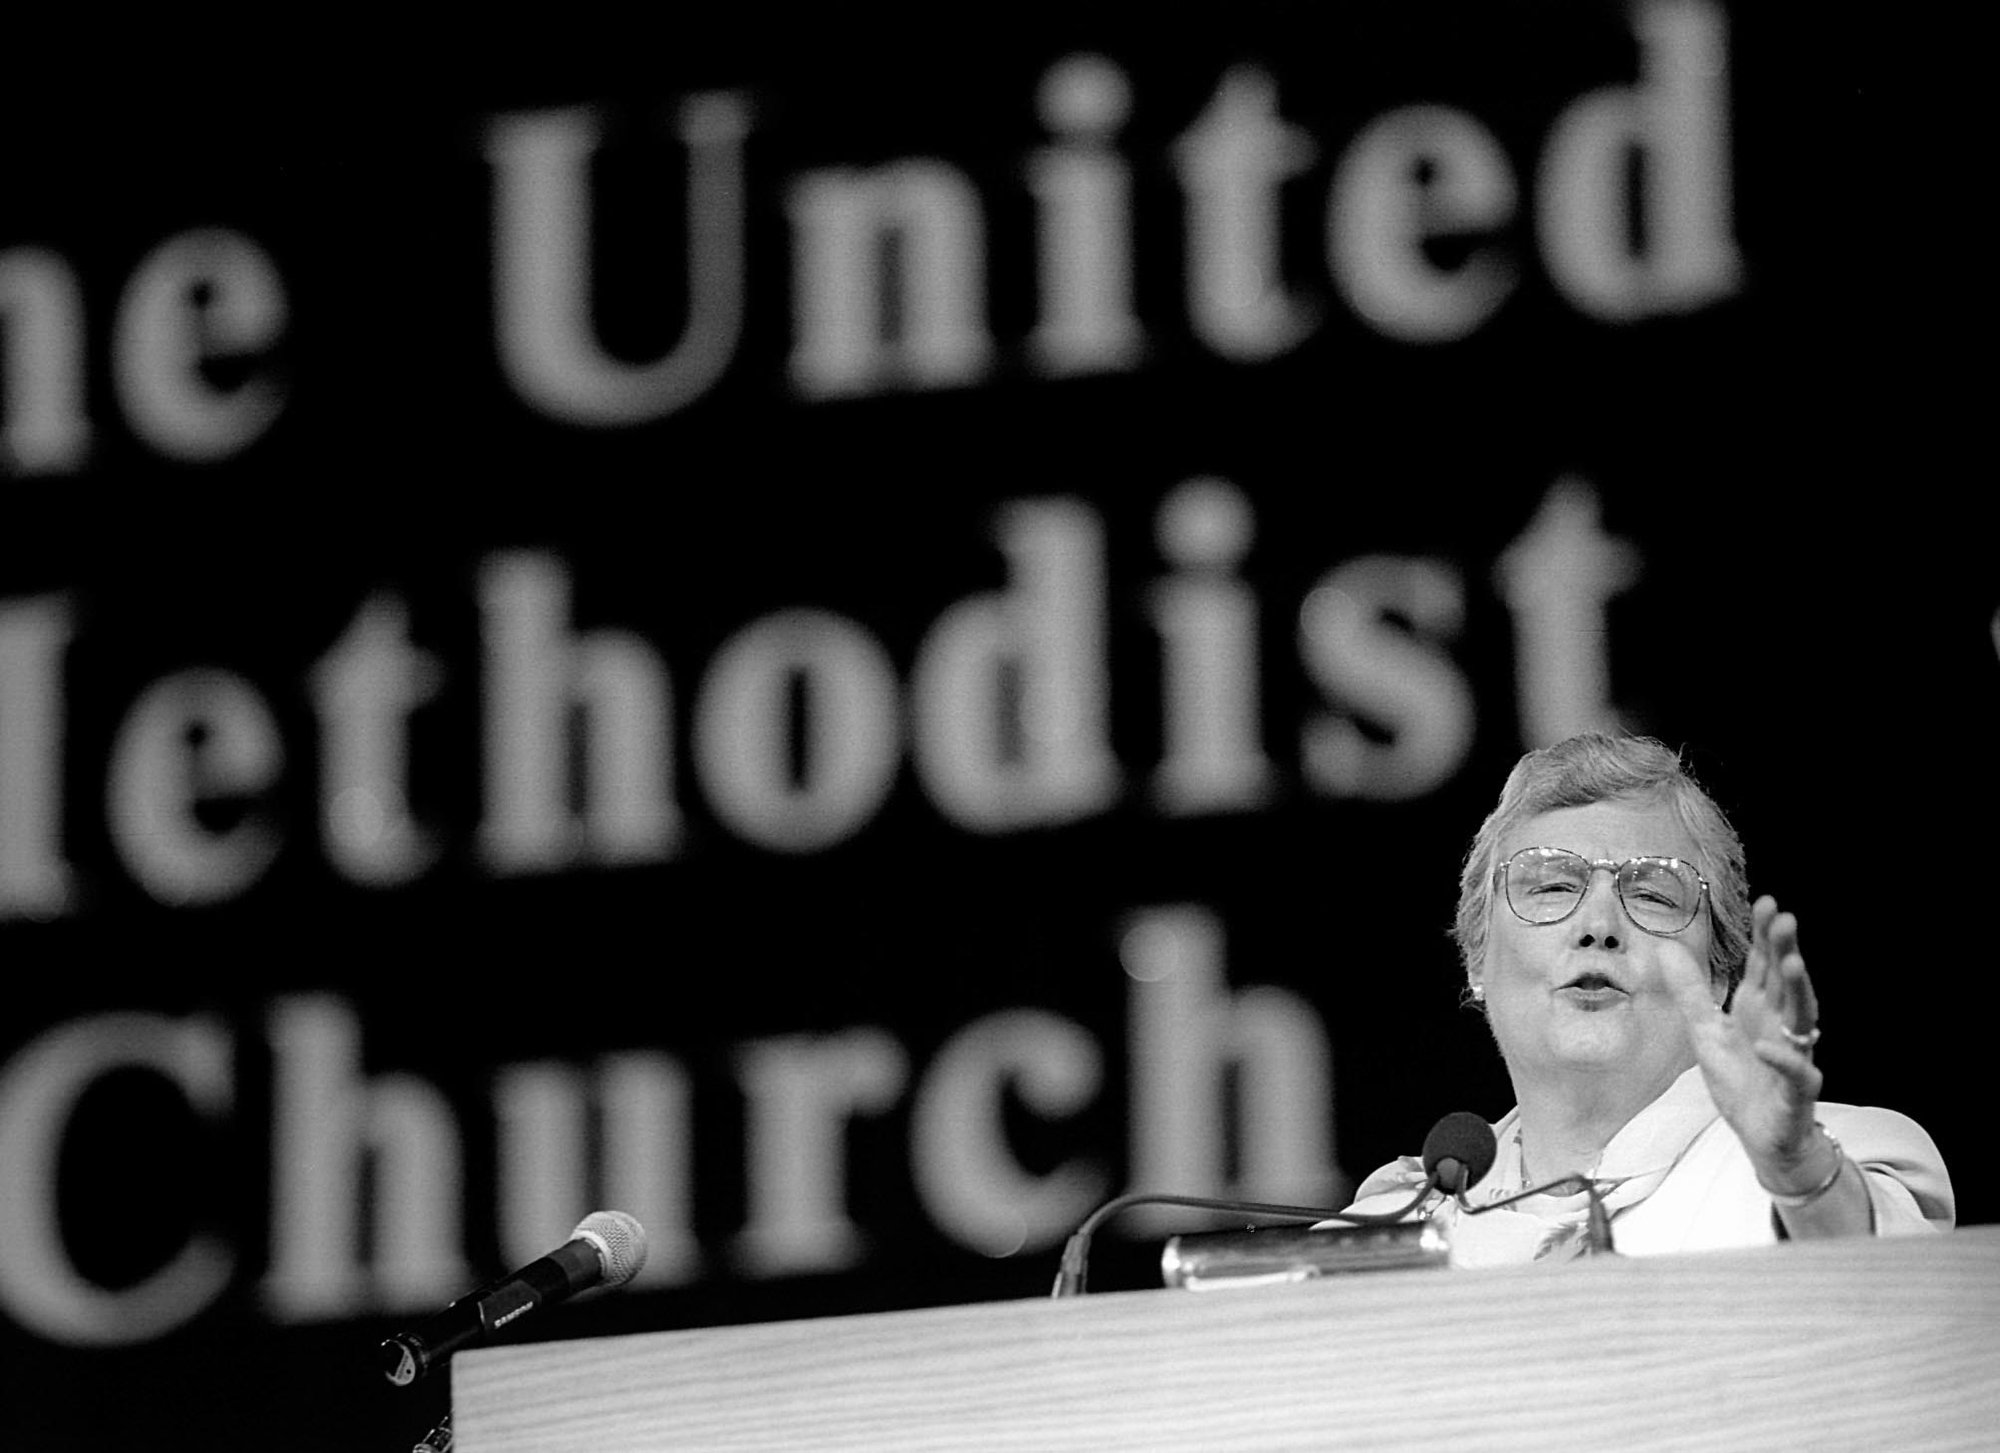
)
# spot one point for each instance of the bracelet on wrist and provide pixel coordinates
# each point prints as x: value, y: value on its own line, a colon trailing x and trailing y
x: 1792, y: 1202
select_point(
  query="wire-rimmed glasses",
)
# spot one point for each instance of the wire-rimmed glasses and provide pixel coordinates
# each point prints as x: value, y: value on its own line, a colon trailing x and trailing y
x: 1544, y: 885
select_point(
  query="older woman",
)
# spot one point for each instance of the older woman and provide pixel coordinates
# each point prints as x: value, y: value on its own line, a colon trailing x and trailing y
x: 1658, y: 1029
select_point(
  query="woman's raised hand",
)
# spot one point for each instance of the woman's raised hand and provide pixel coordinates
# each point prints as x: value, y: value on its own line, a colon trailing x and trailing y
x: 1757, y: 1054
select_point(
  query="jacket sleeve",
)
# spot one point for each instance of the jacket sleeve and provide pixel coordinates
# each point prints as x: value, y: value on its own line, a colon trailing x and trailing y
x: 1906, y: 1176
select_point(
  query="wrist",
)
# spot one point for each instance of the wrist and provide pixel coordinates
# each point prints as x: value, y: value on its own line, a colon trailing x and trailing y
x: 1809, y: 1177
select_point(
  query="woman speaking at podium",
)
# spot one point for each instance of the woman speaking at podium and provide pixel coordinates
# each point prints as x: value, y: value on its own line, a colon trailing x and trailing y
x: 1658, y: 1028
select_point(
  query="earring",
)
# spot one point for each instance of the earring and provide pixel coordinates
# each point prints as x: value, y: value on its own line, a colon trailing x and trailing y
x: 1479, y: 993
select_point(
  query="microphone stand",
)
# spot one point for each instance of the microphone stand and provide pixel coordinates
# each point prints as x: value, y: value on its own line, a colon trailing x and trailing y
x: 437, y: 1440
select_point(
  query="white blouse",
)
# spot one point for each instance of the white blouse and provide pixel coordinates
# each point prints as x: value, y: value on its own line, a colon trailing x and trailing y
x: 1675, y: 1178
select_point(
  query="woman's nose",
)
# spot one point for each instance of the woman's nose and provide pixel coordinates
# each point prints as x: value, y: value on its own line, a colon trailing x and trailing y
x: 1600, y: 918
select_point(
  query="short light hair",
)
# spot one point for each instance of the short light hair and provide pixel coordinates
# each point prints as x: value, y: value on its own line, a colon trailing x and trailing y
x: 1595, y: 767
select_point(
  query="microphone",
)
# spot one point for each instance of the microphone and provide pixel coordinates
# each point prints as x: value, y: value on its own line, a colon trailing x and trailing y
x: 1459, y: 1151
x: 1464, y: 1148
x: 606, y: 1250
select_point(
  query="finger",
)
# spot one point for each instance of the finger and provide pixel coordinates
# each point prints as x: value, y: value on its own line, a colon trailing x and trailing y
x: 1781, y: 932
x: 1757, y: 969
x: 1788, y: 987
x: 1802, y: 1012
x: 1766, y: 990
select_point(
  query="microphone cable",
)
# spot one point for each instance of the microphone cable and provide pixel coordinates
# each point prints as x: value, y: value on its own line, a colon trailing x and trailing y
x: 1597, y: 1219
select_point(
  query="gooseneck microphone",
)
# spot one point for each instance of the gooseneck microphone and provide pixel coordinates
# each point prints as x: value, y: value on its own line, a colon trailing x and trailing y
x: 1458, y: 1151
x: 606, y: 1250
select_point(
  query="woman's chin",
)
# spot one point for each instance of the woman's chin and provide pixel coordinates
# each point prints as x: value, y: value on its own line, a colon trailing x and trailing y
x: 1595, y: 1041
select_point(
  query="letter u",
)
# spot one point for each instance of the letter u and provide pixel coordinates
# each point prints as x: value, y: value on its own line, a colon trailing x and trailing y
x: 542, y: 283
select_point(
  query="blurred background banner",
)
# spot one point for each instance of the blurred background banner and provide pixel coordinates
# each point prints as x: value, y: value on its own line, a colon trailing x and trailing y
x: 854, y: 646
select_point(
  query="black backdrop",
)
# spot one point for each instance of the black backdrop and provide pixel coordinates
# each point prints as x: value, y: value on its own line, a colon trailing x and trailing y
x: 1789, y: 578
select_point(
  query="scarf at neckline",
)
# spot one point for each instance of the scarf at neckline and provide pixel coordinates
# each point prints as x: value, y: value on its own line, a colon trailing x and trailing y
x: 1635, y: 1163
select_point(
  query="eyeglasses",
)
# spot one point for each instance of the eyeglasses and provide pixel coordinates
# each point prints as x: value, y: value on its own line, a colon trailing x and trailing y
x: 1544, y: 885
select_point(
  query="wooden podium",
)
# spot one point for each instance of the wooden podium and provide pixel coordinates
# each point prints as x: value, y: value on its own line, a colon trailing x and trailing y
x: 1891, y: 1344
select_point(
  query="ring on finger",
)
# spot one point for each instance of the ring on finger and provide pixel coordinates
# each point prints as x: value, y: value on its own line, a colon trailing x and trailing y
x: 1802, y: 1042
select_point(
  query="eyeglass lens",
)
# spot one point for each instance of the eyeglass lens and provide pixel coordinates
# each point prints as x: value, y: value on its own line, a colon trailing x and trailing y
x: 1546, y: 884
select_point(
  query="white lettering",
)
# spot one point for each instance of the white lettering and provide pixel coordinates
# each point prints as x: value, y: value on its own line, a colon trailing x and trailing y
x: 1084, y: 223
x: 1364, y: 637
x: 1675, y: 124
x: 1413, y: 177
x: 43, y: 426
x: 649, y: 1158
x: 1557, y: 580
x: 537, y: 677
x: 196, y: 311
x: 39, y: 1088
x: 1207, y: 619
x: 1012, y: 689
x: 847, y: 720
x: 967, y: 1176
x: 365, y: 689
x: 34, y: 878
x: 327, y: 1123
x: 919, y: 221
x: 802, y: 1092
x: 1233, y: 163
x: 1187, y: 1034
x: 542, y: 268
x: 189, y: 759
x: 547, y: 1181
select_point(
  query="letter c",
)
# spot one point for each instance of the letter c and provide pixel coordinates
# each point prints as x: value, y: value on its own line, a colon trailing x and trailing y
x: 39, y: 1089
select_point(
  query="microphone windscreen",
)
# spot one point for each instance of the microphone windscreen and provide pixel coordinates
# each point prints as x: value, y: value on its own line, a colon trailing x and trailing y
x: 1464, y: 1137
x: 620, y: 1241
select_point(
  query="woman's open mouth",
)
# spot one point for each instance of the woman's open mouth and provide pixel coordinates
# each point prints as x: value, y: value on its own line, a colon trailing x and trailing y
x: 1591, y: 991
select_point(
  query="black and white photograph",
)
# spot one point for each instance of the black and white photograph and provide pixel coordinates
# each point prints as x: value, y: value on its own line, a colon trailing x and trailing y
x: 1257, y: 728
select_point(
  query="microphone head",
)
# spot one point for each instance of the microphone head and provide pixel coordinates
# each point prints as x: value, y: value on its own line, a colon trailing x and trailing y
x: 1463, y: 1137
x: 620, y: 1241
